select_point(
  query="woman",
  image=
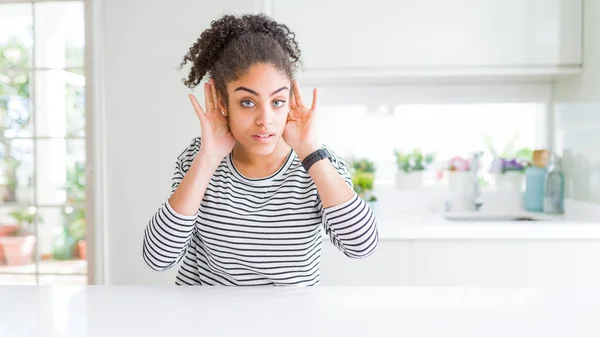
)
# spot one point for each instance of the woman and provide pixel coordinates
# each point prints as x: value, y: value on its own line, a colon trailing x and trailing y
x: 250, y: 197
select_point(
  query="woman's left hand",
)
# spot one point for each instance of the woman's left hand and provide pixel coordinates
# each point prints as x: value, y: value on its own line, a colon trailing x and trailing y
x: 300, y: 131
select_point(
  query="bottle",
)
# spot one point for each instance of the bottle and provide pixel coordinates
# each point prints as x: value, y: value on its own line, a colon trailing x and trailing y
x: 535, y: 175
x: 554, y: 187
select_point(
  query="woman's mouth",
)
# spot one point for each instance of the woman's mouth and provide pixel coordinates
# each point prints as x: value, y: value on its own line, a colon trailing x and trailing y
x: 263, y: 137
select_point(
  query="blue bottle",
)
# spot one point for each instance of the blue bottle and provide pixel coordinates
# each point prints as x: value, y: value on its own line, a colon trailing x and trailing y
x: 534, y: 189
x: 554, y: 187
x: 535, y: 178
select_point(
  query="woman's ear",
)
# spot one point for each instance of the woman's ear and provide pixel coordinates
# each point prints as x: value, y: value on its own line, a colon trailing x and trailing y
x: 221, y: 106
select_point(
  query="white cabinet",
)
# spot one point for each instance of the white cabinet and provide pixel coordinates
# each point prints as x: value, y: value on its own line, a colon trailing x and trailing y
x: 435, y: 36
x: 467, y: 263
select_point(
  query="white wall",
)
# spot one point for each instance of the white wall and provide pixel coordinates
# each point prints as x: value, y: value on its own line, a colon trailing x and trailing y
x: 149, y: 120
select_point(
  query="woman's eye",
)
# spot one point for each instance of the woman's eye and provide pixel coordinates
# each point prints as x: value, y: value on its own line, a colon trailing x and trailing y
x: 279, y: 103
x: 247, y: 104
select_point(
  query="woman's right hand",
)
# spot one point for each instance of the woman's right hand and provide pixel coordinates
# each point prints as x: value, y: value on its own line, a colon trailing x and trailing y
x: 217, y: 139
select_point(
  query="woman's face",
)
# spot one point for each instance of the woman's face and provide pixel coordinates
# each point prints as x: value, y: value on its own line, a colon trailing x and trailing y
x: 258, y: 108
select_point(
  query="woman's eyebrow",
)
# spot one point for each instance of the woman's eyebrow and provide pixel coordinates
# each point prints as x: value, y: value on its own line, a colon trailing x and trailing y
x: 256, y: 94
x: 280, y: 89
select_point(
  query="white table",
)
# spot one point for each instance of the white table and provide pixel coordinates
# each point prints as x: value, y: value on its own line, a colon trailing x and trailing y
x: 323, y: 311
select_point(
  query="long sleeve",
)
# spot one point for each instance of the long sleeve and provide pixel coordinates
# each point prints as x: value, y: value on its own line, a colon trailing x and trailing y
x: 351, y: 226
x: 168, y: 234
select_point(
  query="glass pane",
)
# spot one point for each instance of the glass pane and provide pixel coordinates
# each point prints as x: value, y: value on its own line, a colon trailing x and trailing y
x: 17, y: 239
x: 15, y: 104
x: 60, y: 103
x: 75, y: 184
x: 60, y: 171
x: 16, y: 35
x: 59, y: 34
x: 62, y: 247
x: 16, y: 172
x: 63, y: 279
x: 442, y: 130
x: 17, y: 279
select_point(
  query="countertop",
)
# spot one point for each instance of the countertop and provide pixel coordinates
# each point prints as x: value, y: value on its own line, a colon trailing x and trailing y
x: 321, y: 311
x: 403, y: 226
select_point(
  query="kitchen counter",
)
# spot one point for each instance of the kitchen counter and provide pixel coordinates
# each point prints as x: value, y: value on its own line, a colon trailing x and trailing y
x: 437, y: 227
x: 321, y: 311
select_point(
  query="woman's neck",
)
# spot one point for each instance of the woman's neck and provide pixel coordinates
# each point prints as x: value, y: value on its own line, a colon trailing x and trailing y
x: 259, y: 166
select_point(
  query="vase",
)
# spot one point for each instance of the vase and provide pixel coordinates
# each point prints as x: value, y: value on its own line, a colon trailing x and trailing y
x: 18, y: 250
x: 460, y: 184
x: 459, y: 180
x: 81, y: 249
x: 511, y: 180
x: 409, y: 181
x: 5, y: 230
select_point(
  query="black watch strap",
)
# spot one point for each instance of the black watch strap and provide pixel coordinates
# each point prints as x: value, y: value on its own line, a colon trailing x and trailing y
x: 315, y: 157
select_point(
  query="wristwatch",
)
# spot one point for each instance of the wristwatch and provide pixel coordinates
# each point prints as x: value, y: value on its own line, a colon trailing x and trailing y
x: 315, y: 157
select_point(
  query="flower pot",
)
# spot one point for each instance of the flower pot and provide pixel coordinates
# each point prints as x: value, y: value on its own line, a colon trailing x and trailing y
x: 460, y: 184
x: 511, y: 180
x: 81, y: 249
x: 409, y: 181
x: 5, y: 230
x: 459, y: 180
x: 18, y: 250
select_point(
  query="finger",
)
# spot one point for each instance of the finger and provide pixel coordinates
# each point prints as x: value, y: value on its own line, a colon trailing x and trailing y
x: 313, y: 107
x: 213, y: 90
x: 298, y: 94
x: 210, y: 105
x: 199, y: 112
x: 293, y: 104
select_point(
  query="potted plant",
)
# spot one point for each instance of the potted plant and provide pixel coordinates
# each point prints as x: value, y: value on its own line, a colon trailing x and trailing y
x: 509, y: 172
x: 18, y: 246
x: 363, y: 176
x: 410, y: 167
x: 5, y: 230
x: 458, y: 169
x: 508, y: 167
x: 75, y: 232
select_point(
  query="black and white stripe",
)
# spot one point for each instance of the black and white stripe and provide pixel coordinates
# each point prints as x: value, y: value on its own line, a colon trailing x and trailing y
x: 265, y: 231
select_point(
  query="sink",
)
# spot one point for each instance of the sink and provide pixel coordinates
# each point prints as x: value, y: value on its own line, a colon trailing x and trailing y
x: 489, y: 217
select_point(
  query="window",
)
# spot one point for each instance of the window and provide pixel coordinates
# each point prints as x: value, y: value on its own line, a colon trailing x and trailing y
x: 444, y: 130
x: 42, y: 143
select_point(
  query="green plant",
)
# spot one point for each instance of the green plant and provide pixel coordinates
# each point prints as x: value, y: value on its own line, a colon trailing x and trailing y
x: 14, y: 88
x: 75, y: 184
x: 75, y: 190
x: 363, y: 185
x: 25, y: 218
x: 509, y: 159
x: 76, y: 226
x: 10, y: 177
x: 509, y: 152
x: 413, y: 161
x: 363, y: 176
x: 363, y: 165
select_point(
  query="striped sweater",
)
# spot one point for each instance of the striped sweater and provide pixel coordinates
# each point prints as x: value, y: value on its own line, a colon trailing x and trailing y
x: 248, y: 231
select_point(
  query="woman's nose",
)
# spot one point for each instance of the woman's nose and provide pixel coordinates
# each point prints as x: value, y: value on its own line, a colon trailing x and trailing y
x: 265, y: 116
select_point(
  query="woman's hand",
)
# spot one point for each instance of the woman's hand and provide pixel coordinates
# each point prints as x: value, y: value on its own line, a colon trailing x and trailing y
x: 217, y: 139
x: 300, y: 130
